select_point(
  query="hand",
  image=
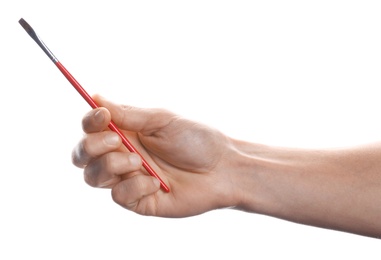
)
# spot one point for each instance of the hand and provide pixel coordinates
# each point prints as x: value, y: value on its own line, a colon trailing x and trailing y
x: 192, y: 159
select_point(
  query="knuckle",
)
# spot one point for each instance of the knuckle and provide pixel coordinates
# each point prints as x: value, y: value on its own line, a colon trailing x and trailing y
x: 100, y: 172
x: 75, y: 158
x: 79, y: 156
x: 95, y: 173
x: 89, y: 148
x: 91, y: 175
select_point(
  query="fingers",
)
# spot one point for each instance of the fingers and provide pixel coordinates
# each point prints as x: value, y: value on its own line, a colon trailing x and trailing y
x: 135, y: 119
x: 130, y: 192
x: 100, y: 152
x: 94, y: 145
x: 107, y: 170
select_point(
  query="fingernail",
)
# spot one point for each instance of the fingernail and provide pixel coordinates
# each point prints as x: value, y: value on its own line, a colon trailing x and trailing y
x: 99, y: 116
x: 111, y: 138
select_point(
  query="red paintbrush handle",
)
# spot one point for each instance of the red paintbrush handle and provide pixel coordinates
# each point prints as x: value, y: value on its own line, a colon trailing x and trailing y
x: 86, y: 96
x: 112, y: 125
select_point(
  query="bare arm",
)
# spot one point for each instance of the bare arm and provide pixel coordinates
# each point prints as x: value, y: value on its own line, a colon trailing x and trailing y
x: 337, y: 189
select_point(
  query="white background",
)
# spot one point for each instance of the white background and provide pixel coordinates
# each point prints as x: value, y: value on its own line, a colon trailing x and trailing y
x: 290, y: 73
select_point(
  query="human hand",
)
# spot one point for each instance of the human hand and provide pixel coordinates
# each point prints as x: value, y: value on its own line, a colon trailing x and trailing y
x: 191, y: 158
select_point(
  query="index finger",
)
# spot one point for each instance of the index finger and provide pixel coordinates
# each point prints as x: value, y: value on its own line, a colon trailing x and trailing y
x: 143, y: 120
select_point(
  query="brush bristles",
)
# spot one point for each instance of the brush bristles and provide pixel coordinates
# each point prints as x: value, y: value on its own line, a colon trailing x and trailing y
x: 27, y: 28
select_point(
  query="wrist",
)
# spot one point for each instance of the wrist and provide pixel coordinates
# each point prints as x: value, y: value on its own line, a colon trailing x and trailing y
x: 250, y: 181
x: 252, y: 172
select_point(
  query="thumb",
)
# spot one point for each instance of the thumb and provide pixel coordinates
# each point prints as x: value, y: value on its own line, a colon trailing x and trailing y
x: 143, y: 120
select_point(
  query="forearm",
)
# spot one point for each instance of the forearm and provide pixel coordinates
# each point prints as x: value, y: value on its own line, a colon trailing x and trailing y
x: 336, y: 189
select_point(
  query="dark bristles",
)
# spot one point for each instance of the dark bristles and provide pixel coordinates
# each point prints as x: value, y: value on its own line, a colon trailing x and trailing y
x: 27, y: 28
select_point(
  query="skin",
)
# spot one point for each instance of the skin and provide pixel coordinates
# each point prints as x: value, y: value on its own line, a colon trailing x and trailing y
x: 337, y: 189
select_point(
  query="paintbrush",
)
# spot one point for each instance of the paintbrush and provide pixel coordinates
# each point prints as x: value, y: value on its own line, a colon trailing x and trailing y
x: 89, y: 99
